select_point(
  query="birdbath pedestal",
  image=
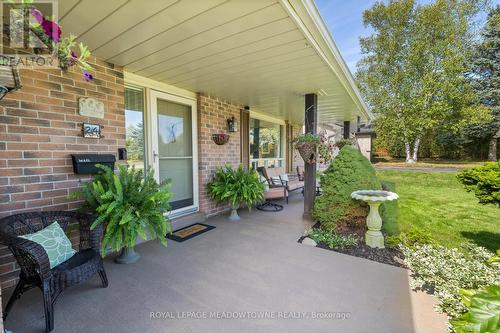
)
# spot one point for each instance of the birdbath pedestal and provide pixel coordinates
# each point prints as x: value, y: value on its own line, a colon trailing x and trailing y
x: 374, y: 199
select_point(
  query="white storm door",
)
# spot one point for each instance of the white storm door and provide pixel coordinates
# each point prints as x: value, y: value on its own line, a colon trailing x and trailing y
x: 174, y: 148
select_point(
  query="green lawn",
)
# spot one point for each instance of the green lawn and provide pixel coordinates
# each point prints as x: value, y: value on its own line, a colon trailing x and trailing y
x: 437, y: 203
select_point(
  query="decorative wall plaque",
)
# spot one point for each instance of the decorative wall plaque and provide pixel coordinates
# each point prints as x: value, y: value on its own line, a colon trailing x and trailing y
x: 91, y: 107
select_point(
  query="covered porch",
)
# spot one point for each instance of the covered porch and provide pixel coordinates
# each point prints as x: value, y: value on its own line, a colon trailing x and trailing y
x: 268, y: 64
x: 255, y: 266
x: 271, y: 61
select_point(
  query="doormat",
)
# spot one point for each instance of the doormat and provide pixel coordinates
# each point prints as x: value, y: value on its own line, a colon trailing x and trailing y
x: 189, y: 232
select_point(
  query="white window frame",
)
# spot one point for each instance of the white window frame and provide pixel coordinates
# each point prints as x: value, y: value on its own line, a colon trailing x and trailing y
x: 145, y: 117
x: 282, y: 123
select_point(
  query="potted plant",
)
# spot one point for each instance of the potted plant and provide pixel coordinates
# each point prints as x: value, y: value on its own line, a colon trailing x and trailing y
x: 313, y: 148
x: 236, y: 187
x: 129, y: 205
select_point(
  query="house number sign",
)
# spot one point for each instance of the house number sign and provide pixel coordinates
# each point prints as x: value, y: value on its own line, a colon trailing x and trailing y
x: 91, y: 131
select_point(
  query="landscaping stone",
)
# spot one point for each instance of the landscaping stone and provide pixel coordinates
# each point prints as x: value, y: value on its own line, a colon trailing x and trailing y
x: 308, y: 241
x: 399, y: 260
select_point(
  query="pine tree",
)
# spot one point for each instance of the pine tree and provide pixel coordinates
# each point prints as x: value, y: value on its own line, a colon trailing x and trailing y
x: 485, y: 79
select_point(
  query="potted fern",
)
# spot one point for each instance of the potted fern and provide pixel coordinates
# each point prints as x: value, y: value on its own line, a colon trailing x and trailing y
x: 129, y: 205
x: 236, y: 187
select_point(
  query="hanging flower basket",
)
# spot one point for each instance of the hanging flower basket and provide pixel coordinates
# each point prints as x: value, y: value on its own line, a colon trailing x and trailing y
x: 220, y: 139
x: 66, y: 50
x: 314, y: 148
x: 308, y: 151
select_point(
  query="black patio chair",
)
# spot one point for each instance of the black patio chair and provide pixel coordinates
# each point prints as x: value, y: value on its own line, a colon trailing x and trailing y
x: 34, y: 262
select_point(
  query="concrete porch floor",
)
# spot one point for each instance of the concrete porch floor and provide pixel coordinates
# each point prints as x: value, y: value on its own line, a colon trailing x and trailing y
x: 255, y: 265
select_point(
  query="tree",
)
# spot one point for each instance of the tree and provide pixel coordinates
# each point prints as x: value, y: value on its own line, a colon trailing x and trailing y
x: 485, y: 79
x: 412, y: 69
x: 135, y: 142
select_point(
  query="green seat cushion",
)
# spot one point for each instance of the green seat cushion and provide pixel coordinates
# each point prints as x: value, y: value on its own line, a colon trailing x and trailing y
x: 55, y: 243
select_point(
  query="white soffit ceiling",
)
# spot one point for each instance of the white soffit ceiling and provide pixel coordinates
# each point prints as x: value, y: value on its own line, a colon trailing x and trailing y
x: 254, y: 53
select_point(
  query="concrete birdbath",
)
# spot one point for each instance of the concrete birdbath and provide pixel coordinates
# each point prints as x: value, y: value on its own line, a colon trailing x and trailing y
x: 374, y: 199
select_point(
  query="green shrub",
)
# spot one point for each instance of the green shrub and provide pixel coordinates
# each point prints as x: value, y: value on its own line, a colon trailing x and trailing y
x: 129, y: 205
x: 349, y: 172
x: 392, y: 241
x: 416, y: 236
x: 236, y: 186
x: 344, y: 142
x: 447, y: 271
x: 484, y: 181
x: 333, y: 240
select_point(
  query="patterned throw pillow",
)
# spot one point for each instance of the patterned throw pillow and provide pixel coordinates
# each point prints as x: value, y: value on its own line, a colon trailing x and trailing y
x: 55, y: 243
x: 281, y: 179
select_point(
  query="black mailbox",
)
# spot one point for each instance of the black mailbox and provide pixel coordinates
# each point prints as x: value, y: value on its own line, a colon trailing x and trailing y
x: 86, y: 163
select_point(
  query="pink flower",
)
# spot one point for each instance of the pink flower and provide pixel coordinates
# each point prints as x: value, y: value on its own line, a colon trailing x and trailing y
x: 37, y: 15
x: 52, y: 29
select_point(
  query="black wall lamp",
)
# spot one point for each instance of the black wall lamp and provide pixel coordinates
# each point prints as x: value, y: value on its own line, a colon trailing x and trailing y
x: 232, y: 125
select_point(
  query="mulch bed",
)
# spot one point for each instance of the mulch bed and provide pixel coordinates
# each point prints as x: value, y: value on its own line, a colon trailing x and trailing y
x: 388, y: 256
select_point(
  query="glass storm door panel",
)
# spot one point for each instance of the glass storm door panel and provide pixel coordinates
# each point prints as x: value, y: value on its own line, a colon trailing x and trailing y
x: 173, y: 156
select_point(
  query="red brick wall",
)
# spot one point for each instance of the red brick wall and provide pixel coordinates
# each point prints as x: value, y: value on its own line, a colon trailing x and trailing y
x: 213, y: 114
x: 40, y: 127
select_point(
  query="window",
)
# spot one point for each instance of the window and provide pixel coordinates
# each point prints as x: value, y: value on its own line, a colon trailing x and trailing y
x: 266, y: 144
x: 134, y: 124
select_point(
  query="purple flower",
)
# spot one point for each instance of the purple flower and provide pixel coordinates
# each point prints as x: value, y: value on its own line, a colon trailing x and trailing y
x: 52, y: 29
x: 37, y: 15
x: 88, y: 76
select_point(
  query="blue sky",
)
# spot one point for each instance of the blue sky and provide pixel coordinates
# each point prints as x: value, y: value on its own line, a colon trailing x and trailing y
x: 344, y: 18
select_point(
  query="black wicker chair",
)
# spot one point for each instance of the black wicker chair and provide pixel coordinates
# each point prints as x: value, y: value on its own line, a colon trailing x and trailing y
x: 34, y: 262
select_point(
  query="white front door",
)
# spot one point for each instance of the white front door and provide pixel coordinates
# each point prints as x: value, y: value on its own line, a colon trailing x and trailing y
x: 174, y: 148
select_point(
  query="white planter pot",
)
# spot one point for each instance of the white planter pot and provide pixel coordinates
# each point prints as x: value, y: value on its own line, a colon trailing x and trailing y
x: 234, y: 213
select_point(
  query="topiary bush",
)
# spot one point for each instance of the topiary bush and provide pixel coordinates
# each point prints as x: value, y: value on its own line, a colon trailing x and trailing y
x: 335, y: 209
